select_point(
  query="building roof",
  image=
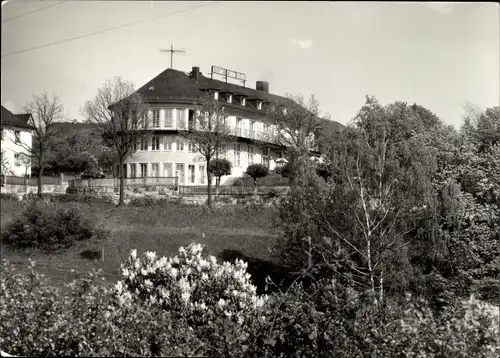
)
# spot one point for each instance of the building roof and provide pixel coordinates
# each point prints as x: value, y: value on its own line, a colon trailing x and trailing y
x: 15, y: 120
x: 178, y: 86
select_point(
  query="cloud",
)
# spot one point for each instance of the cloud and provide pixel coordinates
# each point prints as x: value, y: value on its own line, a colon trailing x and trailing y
x: 302, y: 43
x: 443, y: 8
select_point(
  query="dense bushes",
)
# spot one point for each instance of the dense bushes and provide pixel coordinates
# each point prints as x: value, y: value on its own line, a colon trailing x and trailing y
x: 51, y: 231
x: 89, y: 319
x: 9, y: 196
x: 148, y: 200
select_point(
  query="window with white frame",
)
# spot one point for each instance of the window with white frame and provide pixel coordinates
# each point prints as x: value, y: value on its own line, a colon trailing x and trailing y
x: 156, y: 118
x: 250, y: 155
x: 243, y: 101
x: 201, y: 176
x: 168, y: 169
x: 179, y: 170
x: 167, y: 143
x: 155, y: 142
x: 265, y: 156
x: 17, y: 136
x: 229, y: 98
x: 216, y: 95
x: 237, y: 154
x: 133, y: 170
x: 191, y: 147
x: 179, y: 144
x: 144, y: 169
x: 135, y: 146
x: 181, y: 119
x: 168, y: 118
x: 144, y: 144
x: 191, y: 174
x: 155, y: 170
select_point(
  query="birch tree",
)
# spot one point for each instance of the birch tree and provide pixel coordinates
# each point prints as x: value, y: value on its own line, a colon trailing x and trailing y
x: 121, y: 116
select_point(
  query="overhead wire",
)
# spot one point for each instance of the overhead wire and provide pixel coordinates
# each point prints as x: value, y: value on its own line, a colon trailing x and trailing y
x: 31, y: 12
x: 108, y: 29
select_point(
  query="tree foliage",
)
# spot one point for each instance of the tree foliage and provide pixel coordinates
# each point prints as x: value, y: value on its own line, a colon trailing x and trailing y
x: 219, y: 167
x: 256, y: 171
x: 411, y: 203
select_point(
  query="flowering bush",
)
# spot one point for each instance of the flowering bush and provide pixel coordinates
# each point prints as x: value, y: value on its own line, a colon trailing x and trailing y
x: 189, y: 285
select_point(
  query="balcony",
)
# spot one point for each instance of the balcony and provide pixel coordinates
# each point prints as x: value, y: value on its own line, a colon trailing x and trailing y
x: 269, y: 136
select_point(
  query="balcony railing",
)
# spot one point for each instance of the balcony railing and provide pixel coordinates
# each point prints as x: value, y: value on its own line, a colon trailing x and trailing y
x: 269, y: 136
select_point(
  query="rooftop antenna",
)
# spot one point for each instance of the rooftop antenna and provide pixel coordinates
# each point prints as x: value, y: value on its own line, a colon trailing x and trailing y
x: 171, y: 50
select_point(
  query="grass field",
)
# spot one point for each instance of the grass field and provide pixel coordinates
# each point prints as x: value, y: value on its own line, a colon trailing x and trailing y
x: 161, y: 229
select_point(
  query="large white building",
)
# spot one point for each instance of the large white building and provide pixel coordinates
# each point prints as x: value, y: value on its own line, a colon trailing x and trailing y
x: 16, y: 139
x: 170, y: 97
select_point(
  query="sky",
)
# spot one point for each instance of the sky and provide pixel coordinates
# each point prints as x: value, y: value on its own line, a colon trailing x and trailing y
x: 438, y: 55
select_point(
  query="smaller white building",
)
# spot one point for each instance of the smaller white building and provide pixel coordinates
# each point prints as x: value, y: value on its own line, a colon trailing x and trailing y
x: 16, y: 140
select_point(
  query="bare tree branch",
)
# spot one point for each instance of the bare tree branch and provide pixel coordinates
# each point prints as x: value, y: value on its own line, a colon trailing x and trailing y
x: 121, y: 116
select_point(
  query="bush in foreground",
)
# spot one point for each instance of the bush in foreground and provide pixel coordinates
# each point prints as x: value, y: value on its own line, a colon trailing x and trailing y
x: 189, y: 284
x: 88, y: 319
x: 50, y: 231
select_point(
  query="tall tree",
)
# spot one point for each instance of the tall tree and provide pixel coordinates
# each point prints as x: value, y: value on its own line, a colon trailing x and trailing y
x: 296, y: 123
x: 121, y: 116
x: 208, y: 134
x: 45, y: 113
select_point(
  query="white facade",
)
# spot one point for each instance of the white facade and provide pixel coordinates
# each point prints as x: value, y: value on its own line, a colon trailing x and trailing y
x: 14, y: 142
x: 169, y: 154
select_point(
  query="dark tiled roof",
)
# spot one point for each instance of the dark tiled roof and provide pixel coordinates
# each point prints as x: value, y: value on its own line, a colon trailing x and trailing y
x: 15, y: 120
x: 174, y: 85
x: 178, y: 86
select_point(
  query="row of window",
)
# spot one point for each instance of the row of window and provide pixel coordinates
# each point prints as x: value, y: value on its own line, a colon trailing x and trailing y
x: 170, y: 143
x: 196, y: 174
x: 181, y: 118
x: 169, y: 117
x: 177, y: 143
x: 229, y: 99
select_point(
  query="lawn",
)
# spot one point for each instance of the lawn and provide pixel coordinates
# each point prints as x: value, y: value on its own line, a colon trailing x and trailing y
x: 162, y: 229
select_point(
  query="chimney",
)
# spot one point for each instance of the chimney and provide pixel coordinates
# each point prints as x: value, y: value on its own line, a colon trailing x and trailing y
x: 262, y: 86
x: 195, y: 73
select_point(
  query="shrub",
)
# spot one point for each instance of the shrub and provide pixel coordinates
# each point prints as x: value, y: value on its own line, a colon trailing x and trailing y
x: 146, y: 200
x: 9, y: 196
x: 162, y: 191
x: 324, y: 171
x: 256, y: 171
x: 49, y: 231
x: 189, y: 284
x: 220, y: 167
x: 83, y: 321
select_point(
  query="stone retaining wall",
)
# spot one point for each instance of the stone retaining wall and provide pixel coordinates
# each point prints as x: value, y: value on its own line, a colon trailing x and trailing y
x: 46, y: 188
